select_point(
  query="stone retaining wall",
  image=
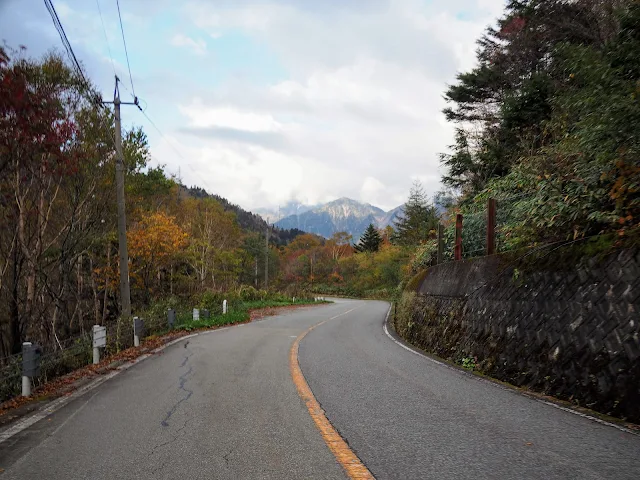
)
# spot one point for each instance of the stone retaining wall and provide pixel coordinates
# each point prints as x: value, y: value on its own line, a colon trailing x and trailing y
x: 556, y: 322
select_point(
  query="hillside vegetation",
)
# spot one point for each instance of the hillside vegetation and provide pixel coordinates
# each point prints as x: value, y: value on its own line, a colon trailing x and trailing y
x: 59, y: 271
x: 548, y: 120
x: 548, y: 123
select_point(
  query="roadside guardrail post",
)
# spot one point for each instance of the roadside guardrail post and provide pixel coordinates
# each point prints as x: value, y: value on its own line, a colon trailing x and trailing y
x: 138, y: 330
x: 99, y: 341
x: 171, y: 317
x: 31, y: 355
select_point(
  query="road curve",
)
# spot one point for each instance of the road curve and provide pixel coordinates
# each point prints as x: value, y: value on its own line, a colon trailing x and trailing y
x: 220, y: 405
x: 223, y: 405
x: 407, y: 417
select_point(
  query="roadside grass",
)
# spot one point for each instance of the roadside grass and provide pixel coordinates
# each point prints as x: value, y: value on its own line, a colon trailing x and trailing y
x: 238, y: 313
x: 76, y: 358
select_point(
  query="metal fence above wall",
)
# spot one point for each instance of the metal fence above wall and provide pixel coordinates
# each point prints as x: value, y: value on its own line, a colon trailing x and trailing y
x: 485, y: 231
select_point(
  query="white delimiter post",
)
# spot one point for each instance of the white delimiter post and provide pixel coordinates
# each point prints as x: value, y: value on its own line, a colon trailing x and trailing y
x: 136, y: 337
x: 224, y: 307
x: 26, y: 386
x: 26, y: 381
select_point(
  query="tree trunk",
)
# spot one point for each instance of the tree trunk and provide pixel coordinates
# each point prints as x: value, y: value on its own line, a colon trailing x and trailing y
x: 15, y: 329
x: 255, y: 280
x: 94, y: 289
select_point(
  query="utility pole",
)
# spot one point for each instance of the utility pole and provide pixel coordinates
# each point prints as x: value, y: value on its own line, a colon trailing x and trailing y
x: 266, y: 261
x: 125, y: 293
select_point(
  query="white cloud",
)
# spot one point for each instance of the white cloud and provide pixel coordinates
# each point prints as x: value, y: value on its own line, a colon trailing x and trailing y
x: 371, y: 191
x: 355, y: 110
x: 360, y: 113
x: 199, y: 46
x: 344, y: 127
x: 201, y: 116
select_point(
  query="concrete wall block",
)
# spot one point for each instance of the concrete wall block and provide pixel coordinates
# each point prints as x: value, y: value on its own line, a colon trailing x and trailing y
x: 572, y: 332
x: 613, y: 344
x: 632, y: 349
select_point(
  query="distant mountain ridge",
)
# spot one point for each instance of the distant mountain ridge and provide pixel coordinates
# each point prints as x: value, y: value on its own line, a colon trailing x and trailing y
x: 272, y: 215
x: 247, y: 220
x: 341, y: 215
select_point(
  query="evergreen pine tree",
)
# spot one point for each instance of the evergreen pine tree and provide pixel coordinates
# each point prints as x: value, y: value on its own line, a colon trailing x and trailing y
x: 417, y: 221
x: 370, y: 240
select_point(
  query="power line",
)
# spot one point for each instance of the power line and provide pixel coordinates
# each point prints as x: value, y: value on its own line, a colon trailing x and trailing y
x: 164, y: 137
x: 78, y: 69
x: 65, y: 40
x: 105, y: 36
x: 76, y: 65
x: 91, y: 96
x: 201, y: 179
x: 125, y: 49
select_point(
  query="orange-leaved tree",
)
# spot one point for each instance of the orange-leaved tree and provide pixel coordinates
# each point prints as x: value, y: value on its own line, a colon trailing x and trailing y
x: 155, y: 244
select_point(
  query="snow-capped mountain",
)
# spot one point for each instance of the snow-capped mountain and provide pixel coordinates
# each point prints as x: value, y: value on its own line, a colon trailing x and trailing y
x: 342, y: 215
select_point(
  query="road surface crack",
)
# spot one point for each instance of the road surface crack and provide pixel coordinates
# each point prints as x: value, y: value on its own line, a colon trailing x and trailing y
x: 182, y: 381
x: 174, y: 437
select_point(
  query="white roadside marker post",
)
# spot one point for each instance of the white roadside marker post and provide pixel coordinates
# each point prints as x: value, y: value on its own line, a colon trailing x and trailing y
x: 99, y: 341
x: 137, y: 331
x: 26, y: 381
x: 30, y: 365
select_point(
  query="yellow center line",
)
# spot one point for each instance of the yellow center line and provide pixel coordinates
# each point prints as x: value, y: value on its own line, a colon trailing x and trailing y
x: 352, y: 465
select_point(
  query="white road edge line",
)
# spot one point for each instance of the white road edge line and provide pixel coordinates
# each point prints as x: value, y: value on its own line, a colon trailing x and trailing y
x: 546, y: 402
x: 386, y: 330
x: 70, y: 417
x: 58, y: 403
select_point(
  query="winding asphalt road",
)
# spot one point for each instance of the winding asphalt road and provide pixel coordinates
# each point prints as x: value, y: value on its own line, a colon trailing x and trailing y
x: 223, y: 405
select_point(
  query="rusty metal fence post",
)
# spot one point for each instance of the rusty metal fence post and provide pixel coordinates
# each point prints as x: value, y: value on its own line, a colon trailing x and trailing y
x: 491, y: 226
x: 440, y: 256
x: 458, y: 247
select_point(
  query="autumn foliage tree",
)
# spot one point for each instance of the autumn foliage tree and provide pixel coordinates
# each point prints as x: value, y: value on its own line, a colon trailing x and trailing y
x: 154, y: 245
x: 58, y: 230
x: 50, y: 200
